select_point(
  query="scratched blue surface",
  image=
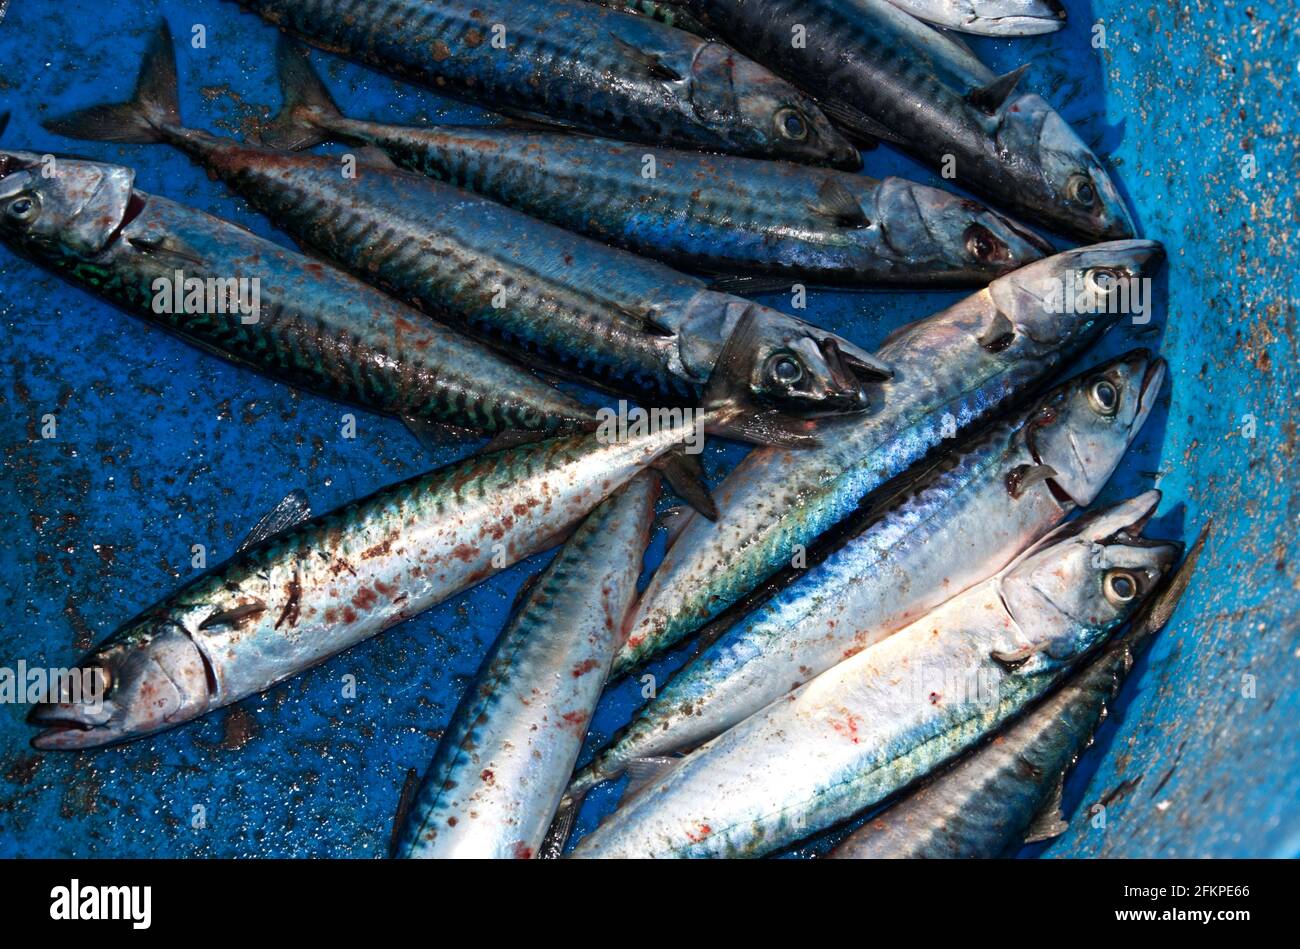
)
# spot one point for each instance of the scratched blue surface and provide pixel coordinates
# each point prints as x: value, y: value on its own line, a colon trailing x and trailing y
x: 159, y: 447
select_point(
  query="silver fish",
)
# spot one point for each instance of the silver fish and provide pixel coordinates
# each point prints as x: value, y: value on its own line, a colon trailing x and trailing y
x: 936, y: 535
x: 499, y: 771
x: 989, y: 17
x: 893, y: 713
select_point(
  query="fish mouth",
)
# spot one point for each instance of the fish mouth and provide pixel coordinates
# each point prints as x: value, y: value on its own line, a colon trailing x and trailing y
x: 1152, y: 382
x: 1047, y: 17
x: 64, y: 728
x: 850, y: 365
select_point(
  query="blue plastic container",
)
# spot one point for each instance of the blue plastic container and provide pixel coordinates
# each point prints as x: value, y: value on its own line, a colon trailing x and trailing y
x: 159, y: 447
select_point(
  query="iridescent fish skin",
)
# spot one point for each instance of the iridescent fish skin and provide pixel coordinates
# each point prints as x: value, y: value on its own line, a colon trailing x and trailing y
x: 882, y: 73
x: 940, y: 533
x: 561, y: 301
x: 297, y: 598
x: 500, y: 769
x: 715, y: 213
x: 577, y: 64
x: 895, y: 712
x: 952, y: 370
x: 313, y: 327
x: 989, y: 17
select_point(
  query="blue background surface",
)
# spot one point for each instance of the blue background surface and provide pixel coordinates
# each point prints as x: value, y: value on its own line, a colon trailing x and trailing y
x: 160, y: 447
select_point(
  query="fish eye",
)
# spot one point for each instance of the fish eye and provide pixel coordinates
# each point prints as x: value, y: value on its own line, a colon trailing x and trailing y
x: 23, y: 208
x: 784, y: 369
x: 1120, y: 586
x: 984, y: 246
x: 1104, y: 396
x: 1102, y: 280
x: 1081, y: 189
x: 792, y: 124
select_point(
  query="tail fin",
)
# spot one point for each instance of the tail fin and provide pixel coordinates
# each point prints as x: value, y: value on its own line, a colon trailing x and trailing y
x: 728, y: 406
x: 305, y: 101
x: 153, y: 105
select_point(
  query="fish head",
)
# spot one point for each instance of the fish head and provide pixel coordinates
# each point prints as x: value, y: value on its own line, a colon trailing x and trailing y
x: 921, y: 223
x: 1011, y: 17
x: 1065, y: 302
x: 768, y: 116
x: 149, y: 676
x: 1082, y: 429
x: 1059, y: 176
x: 1069, y: 591
x: 62, y: 205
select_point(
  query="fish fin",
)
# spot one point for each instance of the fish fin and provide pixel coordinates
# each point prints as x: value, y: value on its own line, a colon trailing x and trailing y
x: 748, y: 284
x: 1022, y: 477
x: 525, y: 120
x: 837, y: 203
x: 648, y: 324
x: 685, y: 475
x: 375, y: 158
x: 861, y: 127
x: 521, y: 595
x: 674, y: 521
x: 1048, y: 822
x: 292, y: 510
x: 514, y: 438
x: 651, y: 64
x: 1011, y: 661
x: 557, y: 835
x: 404, y: 801
x: 4, y: 121
x: 988, y: 98
x: 432, y: 435
x: 643, y: 772
x: 168, y: 246
x: 306, y: 102
x: 729, y: 412
x: 153, y: 106
x: 233, y: 616
x: 1000, y: 333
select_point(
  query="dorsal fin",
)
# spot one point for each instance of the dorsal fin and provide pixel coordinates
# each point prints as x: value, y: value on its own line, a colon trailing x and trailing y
x: 989, y: 97
x: 292, y: 510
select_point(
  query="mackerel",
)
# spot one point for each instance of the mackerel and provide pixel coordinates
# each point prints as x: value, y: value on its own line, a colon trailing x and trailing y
x: 938, y: 533
x: 989, y: 17
x: 715, y: 213
x: 952, y: 370
x: 502, y: 763
x: 895, y: 712
x: 578, y: 65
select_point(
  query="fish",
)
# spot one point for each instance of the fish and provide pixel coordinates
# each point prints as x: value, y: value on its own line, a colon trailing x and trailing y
x: 662, y: 11
x: 576, y: 65
x: 302, y: 322
x: 1008, y: 792
x: 726, y: 215
x: 882, y: 74
x: 501, y: 765
x: 937, y: 533
x: 558, y: 301
x: 294, y: 596
x: 953, y: 370
x: 893, y: 713
x: 989, y: 17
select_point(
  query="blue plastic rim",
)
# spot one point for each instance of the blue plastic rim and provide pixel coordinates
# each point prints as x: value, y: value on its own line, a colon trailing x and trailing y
x: 159, y: 447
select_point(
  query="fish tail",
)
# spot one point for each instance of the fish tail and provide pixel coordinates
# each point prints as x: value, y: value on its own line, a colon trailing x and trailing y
x: 728, y: 405
x: 154, y: 106
x: 306, y: 102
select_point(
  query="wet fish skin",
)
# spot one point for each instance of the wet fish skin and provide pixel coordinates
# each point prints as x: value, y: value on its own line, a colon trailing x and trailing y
x: 989, y: 17
x: 301, y: 596
x: 895, y: 712
x: 880, y: 72
x: 550, y: 297
x: 702, y: 212
x: 578, y: 64
x: 940, y: 533
x: 500, y: 769
x: 316, y: 328
x: 965, y: 363
x: 990, y: 801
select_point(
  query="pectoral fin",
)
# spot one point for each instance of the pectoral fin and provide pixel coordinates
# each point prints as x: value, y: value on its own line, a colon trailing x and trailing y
x: 292, y: 510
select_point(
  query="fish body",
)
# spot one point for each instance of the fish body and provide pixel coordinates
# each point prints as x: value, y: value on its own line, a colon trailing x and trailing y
x: 893, y: 713
x: 301, y: 321
x: 500, y: 769
x: 295, y: 599
x: 556, y: 299
x: 577, y: 64
x: 936, y: 535
x: 989, y: 17
x: 882, y: 73
x: 1008, y: 791
x: 951, y: 371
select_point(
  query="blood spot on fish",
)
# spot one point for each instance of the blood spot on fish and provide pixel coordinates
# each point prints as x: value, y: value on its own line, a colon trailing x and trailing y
x: 349, y: 615
x: 522, y: 851
x: 582, y: 668
x: 464, y: 553
x: 452, y: 822
x: 378, y: 550
x: 473, y: 38
x: 848, y: 727
x: 704, y: 830
x: 935, y: 698
x: 488, y: 777
x: 364, y: 598
x: 439, y: 51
